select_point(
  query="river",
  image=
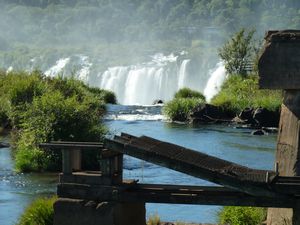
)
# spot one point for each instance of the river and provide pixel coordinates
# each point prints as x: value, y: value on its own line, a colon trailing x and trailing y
x: 227, y: 142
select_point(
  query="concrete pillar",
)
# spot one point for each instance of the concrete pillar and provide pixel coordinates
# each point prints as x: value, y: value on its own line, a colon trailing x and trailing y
x: 82, y: 212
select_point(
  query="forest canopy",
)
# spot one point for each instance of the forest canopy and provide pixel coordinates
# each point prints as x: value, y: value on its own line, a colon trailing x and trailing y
x: 76, y: 21
x: 36, y: 33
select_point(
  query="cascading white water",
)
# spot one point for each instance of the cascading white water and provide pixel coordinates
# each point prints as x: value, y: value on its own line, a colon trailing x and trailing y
x: 215, y: 81
x: 57, y: 68
x: 9, y: 69
x: 183, y: 74
x: 142, y: 84
x: 84, y: 72
x: 145, y: 83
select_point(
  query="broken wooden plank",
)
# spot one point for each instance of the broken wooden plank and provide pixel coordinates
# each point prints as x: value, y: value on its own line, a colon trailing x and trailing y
x: 195, y: 164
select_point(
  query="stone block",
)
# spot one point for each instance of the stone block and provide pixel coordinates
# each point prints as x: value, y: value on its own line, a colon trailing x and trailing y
x: 82, y: 212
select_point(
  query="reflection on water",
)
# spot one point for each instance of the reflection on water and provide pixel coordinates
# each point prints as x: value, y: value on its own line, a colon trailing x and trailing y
x: 17, y: 190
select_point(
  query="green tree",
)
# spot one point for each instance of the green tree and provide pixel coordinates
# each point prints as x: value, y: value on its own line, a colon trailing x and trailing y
x: 238, y: 52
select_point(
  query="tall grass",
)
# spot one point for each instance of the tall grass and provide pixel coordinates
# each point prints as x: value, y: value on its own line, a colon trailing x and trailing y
x: 39, y: 212
x: 154, y: 220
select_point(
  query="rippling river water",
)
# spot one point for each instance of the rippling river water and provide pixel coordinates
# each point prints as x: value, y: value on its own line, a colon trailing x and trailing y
x: 17, y: 190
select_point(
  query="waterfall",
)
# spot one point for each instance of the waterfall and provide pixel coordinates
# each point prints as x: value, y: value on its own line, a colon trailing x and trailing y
x: 57, y: 68
x: 84, y: 72
x: 183, y: 74
x: 142, y: 84
x: 9, y: 69
x: 145, y: 83
x: 215, y: 81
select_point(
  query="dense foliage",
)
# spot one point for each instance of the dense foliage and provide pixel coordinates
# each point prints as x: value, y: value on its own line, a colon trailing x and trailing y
x: 189, y: 93
x: 42, y: 109
x: 39, y: 212
x: 242, y: 215
x: 184, y: 101
x: 240, y: 92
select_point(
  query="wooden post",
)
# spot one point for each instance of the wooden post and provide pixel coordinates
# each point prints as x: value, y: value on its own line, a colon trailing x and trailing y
x: 279, y: 68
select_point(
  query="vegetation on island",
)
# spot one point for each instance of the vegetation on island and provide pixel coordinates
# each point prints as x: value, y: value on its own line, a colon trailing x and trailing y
x: 241, y: 88
x: 184, y: 101
x: 188, y: 93
x: 238, y: 93
x: 42, y: 109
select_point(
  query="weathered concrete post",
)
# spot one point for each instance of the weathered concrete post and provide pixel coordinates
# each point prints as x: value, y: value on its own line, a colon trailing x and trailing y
x: 69, y: 210
x: 279, y: 68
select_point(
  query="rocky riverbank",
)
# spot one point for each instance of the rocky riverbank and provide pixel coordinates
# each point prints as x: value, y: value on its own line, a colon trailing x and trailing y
x: 260, y: 119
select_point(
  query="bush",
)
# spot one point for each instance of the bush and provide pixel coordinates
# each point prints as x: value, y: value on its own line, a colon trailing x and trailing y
x: 179, y: 108
x: 39, y: 212
x: 43, y: 109
x: 25, y: 88
x: 105, y: 95
x: 54, y: 117
x: 234, y: 215
x: 188, y: 93
x: 238, y: 93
